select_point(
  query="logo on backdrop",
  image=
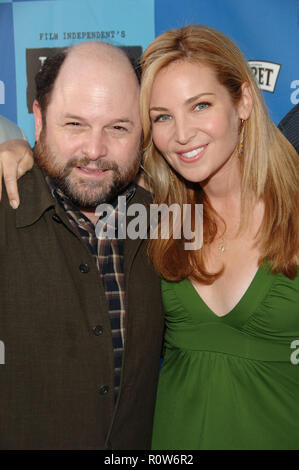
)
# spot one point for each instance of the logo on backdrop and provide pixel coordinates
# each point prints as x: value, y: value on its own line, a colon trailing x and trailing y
x: 266, y: 74
x: 35, y: 59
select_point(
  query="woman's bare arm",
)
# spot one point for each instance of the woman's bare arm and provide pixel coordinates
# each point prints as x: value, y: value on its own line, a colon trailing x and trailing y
x: 15, y: 160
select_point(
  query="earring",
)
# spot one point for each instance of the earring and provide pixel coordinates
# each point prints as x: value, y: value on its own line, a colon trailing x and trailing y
x: 241, y: 141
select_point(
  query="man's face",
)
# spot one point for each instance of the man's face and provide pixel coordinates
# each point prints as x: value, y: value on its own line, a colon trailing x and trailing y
x: 90, y: 144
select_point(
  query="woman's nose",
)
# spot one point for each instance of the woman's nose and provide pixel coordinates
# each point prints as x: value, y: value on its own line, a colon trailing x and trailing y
x: 184, y: 132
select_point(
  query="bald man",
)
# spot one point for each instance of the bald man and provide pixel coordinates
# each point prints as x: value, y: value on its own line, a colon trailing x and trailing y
x: 80, y: 317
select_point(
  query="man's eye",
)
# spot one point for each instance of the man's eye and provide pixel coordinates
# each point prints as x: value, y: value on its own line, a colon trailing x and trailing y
x: 73, y: 123
x: 119, y: 128
x: 201, y: 106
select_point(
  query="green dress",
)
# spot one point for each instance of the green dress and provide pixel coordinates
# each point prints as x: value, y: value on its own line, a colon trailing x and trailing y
x: 230, y: 382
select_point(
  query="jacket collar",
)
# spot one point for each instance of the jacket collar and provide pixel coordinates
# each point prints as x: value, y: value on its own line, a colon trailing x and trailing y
x: 35, y: 197
x: 143, y: 197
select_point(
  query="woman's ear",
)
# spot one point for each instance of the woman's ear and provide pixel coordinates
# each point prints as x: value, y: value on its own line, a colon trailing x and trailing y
x: 246, y: 102
x: 38, y: 119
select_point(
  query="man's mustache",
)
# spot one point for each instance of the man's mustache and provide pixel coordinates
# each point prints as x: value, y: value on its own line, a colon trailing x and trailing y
x: 100, y: 163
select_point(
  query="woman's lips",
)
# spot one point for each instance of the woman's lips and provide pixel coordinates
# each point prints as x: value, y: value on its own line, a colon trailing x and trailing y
x: 193, y: 154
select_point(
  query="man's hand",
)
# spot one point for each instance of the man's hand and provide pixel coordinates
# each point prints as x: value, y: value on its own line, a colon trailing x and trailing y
x: 15, y: 160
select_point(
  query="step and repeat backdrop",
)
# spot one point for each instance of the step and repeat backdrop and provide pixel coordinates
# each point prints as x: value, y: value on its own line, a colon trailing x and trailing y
x: 267, y: 31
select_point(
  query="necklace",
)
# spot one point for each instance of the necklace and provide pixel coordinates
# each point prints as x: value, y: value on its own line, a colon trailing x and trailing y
x: 222, y: 242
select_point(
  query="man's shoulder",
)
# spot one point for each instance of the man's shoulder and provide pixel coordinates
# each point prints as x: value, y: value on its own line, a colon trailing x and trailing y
x: 33, y: 184
x: 289, y: 126
x: 35, y: 198
x: 26, y: 183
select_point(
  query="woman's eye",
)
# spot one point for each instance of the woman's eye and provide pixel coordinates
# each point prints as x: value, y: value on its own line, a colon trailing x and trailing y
x: 201, y: 106
x: 162, y: 117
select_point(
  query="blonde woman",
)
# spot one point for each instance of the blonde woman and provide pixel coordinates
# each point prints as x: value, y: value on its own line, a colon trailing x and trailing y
x: 229, y: 379
x: 230, y: 376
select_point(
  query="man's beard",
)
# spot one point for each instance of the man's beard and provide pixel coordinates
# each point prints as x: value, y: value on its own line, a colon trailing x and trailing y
x: 83, y: 193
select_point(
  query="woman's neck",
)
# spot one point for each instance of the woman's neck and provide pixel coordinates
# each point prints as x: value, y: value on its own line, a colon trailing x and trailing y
x: 223, y: 189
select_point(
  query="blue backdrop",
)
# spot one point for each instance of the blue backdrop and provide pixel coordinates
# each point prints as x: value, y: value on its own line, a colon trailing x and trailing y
x: 267, y: 31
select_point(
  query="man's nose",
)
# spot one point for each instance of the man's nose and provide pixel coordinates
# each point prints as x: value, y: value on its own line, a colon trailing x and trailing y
x: 95, y: 145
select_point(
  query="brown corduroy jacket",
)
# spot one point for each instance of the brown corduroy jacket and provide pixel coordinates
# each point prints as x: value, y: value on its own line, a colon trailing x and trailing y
x: 56, y: 385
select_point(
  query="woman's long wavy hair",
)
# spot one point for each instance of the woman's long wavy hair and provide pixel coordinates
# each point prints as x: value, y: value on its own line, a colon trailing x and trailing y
x: 269, y: 164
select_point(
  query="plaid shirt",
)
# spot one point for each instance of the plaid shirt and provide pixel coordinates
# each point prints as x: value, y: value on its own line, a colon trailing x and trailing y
x: 108, y: 255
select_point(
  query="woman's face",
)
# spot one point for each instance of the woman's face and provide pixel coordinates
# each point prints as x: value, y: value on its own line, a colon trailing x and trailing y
x: 195, y: 124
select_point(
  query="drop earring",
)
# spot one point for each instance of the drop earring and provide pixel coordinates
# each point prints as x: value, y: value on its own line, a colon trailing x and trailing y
x: 241, y: 141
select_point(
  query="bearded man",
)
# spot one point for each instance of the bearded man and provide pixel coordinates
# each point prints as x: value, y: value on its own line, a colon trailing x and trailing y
x: 80, y: 317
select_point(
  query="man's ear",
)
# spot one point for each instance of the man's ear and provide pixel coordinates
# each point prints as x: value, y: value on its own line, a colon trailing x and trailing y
x: 38, y: 119
x: 246, y: 102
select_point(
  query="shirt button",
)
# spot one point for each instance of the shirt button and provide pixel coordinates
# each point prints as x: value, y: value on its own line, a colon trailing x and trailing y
x: 81, y: 220
x: 84, y: 268
x: 98, y: 330
x: 104, y: 389
x: 57, y: 218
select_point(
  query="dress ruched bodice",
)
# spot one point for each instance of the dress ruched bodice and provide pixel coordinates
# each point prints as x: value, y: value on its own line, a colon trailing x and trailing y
x: 229, y: 382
